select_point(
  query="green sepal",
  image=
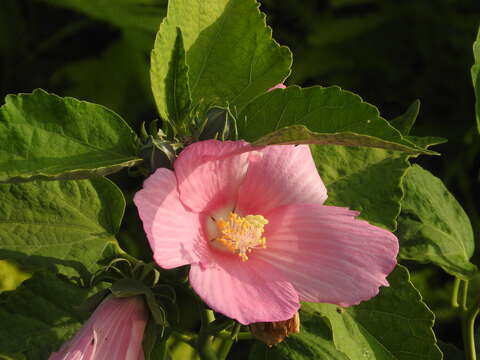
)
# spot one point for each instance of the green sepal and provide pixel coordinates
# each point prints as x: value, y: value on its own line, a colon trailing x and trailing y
x: 131, y: 287
x: 220, y: 124
x: 92, y: 302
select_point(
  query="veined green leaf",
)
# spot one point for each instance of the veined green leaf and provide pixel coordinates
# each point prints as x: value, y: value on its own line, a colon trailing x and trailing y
x: 318, y: 115
x: 363, y: 179
x: 394, y: 325
x: 173, y: 94
x: 66, y: 224
x: 230, y: 53
x: 48, y: 137
x: 433, y: 227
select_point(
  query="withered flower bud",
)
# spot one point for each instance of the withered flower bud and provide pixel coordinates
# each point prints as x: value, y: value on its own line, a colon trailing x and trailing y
x: 272, y: 333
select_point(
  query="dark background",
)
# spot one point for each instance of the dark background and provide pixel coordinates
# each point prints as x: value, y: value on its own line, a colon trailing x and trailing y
x: 389, y: 52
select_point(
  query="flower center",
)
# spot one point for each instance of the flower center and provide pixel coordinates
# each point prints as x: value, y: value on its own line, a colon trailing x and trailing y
x: 239, y: 235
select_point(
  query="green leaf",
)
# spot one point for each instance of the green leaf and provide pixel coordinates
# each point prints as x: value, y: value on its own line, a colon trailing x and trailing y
x: 364, y: 179
x: 39, y: 316
x: 49, y: 137
x: 63, y: 223
x: 173, y: 94
x: 318, y: 115
x: 426, y: 141
x: 475, y: 71
x: 12, y: 275
x: 138, y: 14
x: 404, y: 122
x: 433, y: 227
x: 396, y: 324
x: 230, y: 53
x: 313, y: 342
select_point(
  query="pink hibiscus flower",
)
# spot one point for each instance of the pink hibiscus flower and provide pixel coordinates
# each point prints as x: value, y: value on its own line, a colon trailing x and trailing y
x: 252, y: 225
x: 114, y: 331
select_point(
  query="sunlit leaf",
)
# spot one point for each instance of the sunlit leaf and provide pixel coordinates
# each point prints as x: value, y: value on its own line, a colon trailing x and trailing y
x: 363, y: 179
x: 395, y: 325
x: 173, y: 94
x: 46, y: 136
x: 66, y: 224
x: 318, y: 115
x: 230, y: 53
x: 12, y: 275
x: 433, y: 227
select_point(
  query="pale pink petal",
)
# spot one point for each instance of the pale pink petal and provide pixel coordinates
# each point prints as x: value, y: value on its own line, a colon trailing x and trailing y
x: 248, y: 291
x: 174, y: 233
x: 278, y: 86
x: 282, y: 175
x: 327, y: 254
x: 121, y: 335
x: 209, y: 174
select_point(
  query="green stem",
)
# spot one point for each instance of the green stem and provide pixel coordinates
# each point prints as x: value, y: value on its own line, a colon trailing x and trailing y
x: 163, y: 350
x: 239, y: 336
x: 236, y: 330
x: 122, y: 253
x: 224, y: 348
x: 456, y: 287
x: 465, y: 295
x: 204, y: 339
x: 468, y: 330
x: 219, y: 325
x: 186, y: 338
x: 468, y: 316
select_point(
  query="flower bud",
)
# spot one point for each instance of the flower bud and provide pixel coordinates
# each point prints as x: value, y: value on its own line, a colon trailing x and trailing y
x: 272, y: 333
x: 114, y: 331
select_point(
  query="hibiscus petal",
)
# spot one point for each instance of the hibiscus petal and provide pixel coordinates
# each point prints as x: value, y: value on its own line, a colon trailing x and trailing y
x: 121, y: 333
x: 175, y: 234
x: 327, y: 254
x: 209, y: 174
x: 246, y: 291
x: 282, y: 175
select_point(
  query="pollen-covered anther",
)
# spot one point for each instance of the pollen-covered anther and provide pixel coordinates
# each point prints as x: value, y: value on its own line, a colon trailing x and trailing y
x: 240, y: 234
